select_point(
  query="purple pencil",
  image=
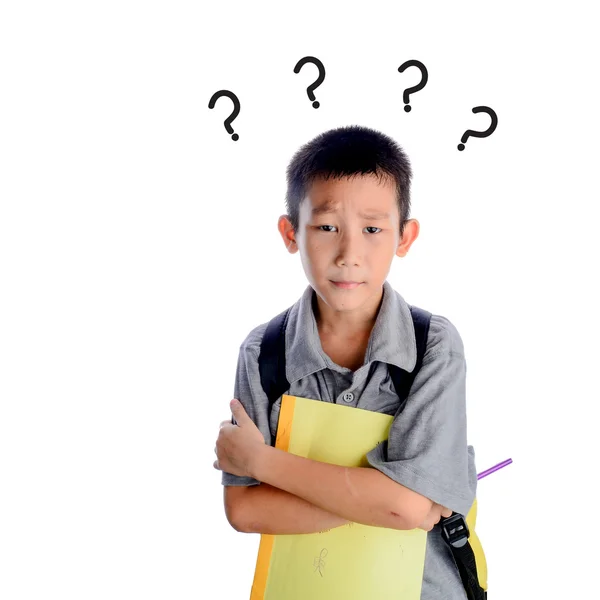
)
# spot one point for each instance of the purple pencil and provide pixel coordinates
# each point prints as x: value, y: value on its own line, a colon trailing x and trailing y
x: 494, y: 468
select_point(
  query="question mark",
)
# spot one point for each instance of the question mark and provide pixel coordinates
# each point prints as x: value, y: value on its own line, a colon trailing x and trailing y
x: 318, y: 82
x: 236, y: 110
x: 480, y: 134
x: 415, y: 88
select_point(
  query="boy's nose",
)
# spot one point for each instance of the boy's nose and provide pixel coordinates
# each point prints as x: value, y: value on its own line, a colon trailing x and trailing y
x: 349, y: 251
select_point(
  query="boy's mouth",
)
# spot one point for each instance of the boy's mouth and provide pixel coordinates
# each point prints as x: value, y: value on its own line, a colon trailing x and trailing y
x: 346, y: 285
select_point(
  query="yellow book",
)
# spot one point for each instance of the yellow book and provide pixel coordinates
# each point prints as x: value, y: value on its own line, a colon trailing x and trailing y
x: 351, y: 562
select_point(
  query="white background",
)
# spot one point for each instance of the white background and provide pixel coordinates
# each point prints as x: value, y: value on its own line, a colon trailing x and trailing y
x: 138, y: 247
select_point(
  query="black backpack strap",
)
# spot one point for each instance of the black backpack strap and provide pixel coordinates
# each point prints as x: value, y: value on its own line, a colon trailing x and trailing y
x: 271, y: 360
x: 455, y: 533
x: 402, y: 379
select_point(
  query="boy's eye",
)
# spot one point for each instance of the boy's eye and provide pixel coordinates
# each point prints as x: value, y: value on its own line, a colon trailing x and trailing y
x: 320, y: 227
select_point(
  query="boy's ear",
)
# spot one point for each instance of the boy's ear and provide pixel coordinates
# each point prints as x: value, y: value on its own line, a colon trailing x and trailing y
x: 411, y: 232
x: 287, y: 234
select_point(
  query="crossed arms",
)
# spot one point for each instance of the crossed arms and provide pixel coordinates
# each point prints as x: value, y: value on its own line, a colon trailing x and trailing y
x: 300, y: 495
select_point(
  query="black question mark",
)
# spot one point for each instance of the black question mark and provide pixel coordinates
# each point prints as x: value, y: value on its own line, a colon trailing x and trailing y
x: 415, y: 88
x: 480, y: 134
x: 236, y: 110
x: 310, y: 89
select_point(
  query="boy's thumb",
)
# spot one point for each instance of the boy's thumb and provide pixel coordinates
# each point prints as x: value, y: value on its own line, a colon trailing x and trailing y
x: 446, y: 512
x: 236, y: 408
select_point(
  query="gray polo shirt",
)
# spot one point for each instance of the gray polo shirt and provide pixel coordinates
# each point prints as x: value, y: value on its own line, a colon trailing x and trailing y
x: 427, y: 447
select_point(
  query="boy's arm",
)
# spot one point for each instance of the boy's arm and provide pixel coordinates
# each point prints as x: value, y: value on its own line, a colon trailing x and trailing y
x: 358, y: 494
x: 267, y: 509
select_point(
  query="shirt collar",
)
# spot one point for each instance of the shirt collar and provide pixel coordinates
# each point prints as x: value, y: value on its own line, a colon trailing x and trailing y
x: 392, y: 339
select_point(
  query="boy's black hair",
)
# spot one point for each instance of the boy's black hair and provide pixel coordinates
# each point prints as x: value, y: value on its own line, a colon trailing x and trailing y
x: 348, y: 152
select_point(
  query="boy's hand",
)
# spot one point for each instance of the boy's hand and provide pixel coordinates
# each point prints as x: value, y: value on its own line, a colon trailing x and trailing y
x: 238, y: 444
x: 435, y: 514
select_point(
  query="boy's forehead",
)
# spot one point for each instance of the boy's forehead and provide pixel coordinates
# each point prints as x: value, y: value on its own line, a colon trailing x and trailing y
x: 367, y: 192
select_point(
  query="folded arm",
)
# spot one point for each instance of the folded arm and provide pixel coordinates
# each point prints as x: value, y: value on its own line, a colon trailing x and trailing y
x: 266, y: 509
x: 357, y: 494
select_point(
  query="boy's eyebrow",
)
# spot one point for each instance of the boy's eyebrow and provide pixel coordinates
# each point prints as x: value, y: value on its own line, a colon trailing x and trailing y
x: 329, y: 207
x: 374, y: 215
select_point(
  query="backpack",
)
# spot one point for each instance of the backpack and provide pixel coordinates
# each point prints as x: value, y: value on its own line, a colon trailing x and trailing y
x: 455, y: 531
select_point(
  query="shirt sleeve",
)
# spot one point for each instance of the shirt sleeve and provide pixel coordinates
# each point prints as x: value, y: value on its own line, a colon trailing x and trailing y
x: 426, y: 449
x: 248, y: 390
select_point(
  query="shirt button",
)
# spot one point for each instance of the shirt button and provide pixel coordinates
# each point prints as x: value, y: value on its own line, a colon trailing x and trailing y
x: 348, y: 397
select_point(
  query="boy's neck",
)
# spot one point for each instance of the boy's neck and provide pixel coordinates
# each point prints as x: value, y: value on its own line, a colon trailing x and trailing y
x: 346, y: 324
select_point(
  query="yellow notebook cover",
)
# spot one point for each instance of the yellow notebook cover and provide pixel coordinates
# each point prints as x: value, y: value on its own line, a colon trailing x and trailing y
x: 351, y: 562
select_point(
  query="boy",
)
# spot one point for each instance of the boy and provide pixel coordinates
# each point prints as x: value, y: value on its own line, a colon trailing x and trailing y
x: 348, y: 203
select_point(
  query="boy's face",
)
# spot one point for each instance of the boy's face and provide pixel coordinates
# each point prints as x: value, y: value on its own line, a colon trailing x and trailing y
x: 349, y: 230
